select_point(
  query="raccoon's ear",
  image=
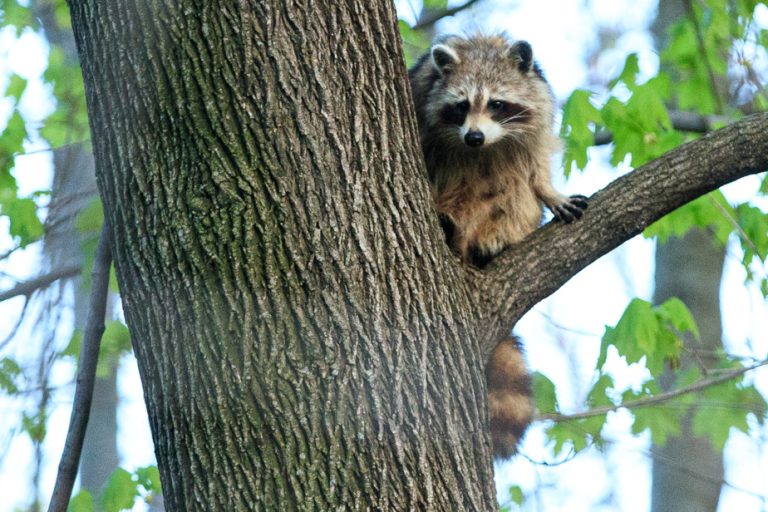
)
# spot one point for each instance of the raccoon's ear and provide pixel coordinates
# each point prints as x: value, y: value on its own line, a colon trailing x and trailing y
x: 444, y: 58
x: 522, y: 52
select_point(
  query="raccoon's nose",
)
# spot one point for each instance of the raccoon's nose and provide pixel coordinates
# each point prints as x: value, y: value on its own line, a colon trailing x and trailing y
x: 474, y: 139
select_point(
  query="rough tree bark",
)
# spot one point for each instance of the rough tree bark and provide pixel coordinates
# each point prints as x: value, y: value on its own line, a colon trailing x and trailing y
x: 305, y: 338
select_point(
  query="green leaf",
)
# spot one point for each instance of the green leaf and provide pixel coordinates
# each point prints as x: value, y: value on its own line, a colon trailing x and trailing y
x: 435, y: 5
x: 544, y: 393
x: 628, y: 75
x: 516, y: 495
x: 9, y: 372
x: 120, y: 492
x: 598, y: 395
x: 73, y: 347
x: 115, y: 342
x: 34, y: 425
x: 415, y: 43
x: 645, y: 331
x: 675, y: 312
x: 16, y: 15
x: 69, y: 122
x: 16, y: 87
x: 724, y: 407
x: 12, y: 138
x: 63, y: 18
x: 25, y: 225
x: 634, y: 334
x: 91, y: 218
x: 641, y: 127
x: 710, y: 211
x: 662, y: 422
x: 567, y: 434
x: 81, y: 502
x: 579, y: 118
x: 754, y: 227
x: 149, y: 478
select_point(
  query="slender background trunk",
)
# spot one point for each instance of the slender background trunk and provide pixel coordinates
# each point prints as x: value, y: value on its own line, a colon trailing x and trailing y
x: 687, y: 470
x: 297, y: 344
x: 74, y: 188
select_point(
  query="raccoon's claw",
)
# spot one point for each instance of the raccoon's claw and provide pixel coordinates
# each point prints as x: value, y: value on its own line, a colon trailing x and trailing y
x: 579, y: 200
x: 570, y: 209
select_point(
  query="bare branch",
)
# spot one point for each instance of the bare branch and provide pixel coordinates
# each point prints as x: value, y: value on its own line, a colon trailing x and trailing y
x: 434, y: 17
x: 532, y: 270
x: 655, y: 399
x: 89, y: 355
x: 27, y: 288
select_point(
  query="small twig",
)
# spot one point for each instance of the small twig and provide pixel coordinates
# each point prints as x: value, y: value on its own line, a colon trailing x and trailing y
x: 27, y: 288
x: 433, y: 18
x: 703, y: 50
x: 6, y: 158
x: 86, y: 375
x: 10, y: 251
x: 652, y: 400
x: 15, y: 329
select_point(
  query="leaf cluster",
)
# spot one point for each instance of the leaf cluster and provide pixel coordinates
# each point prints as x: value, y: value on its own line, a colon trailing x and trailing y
x: 122, y: 490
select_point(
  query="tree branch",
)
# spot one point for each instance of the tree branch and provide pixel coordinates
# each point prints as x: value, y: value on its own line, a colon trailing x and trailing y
x: 681, y: 120
x: 436, y: 16
x: 655, y: 399
x: 89, y: 355
x: 532, y: 270
x: 27, y: 288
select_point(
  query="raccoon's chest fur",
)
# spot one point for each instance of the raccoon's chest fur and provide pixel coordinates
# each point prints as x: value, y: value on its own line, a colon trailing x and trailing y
x: 490, y: 203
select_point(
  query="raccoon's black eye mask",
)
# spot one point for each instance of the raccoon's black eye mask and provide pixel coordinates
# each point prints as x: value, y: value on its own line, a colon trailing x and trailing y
x: 455, y: 113
x: 504, y: 112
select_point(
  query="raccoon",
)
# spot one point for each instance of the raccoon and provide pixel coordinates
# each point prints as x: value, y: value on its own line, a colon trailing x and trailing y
x: 485, y: 115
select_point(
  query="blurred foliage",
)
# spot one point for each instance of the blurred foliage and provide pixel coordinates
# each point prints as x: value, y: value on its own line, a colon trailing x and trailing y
x: 122, y: 490
x: 115, y: 342
x: 21, y: 377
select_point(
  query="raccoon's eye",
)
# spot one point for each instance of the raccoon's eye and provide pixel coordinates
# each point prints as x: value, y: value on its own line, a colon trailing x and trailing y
x: 496, y: 104
x: 462, y: 106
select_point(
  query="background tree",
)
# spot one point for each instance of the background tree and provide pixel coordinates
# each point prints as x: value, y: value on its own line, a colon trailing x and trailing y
x: 691, y: 268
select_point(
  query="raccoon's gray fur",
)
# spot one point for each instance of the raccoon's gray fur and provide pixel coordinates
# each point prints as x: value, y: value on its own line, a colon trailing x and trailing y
x: 485, y: 115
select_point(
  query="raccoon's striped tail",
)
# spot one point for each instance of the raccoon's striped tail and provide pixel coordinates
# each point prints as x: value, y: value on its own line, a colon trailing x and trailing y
x: 509, y: 396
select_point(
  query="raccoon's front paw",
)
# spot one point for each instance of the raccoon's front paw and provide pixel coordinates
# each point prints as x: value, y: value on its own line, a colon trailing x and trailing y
x: 571, y: 208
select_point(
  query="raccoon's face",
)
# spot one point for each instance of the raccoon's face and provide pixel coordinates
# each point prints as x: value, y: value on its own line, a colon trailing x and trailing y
x: 487, y: 93
x: 481, y: 117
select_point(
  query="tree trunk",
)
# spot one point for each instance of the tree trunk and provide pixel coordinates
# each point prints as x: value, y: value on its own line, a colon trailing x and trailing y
x: 687, y: 471
x: 74, y: 187
x: 278, y: 258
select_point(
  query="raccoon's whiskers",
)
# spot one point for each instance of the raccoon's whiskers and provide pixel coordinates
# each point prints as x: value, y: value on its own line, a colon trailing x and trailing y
x: 518, y: 115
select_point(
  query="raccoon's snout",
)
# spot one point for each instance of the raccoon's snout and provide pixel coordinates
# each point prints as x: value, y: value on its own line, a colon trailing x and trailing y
x: 474, y: 139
